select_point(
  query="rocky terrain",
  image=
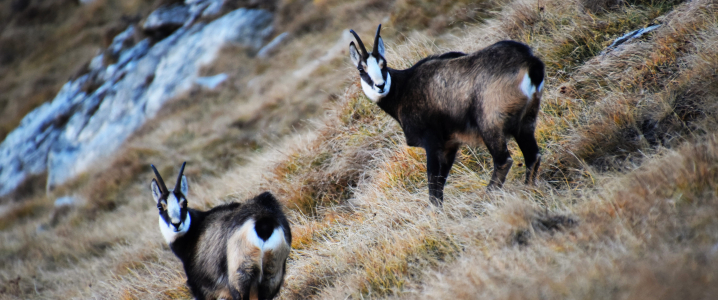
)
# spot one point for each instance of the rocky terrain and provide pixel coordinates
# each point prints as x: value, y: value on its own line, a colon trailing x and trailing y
x: 124, y: 85
x: 260, y: 95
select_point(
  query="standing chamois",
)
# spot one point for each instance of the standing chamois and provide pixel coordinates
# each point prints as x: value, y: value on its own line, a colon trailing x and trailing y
x: 447, y: 100
x: 233, y: 251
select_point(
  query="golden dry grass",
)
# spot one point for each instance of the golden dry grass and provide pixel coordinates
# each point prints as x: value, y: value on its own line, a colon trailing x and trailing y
x: 625, y: 206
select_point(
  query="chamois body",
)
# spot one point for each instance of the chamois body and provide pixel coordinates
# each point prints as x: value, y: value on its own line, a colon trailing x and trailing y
x: 447, y: 100
x: 232, y: 251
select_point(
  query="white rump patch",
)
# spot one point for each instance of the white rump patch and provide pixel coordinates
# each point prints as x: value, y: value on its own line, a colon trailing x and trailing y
x: 528, y: 88
x: 273, y: 242
x: 168, y: 231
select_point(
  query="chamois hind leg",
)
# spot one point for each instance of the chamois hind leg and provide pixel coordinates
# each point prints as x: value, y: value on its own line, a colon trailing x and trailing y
x: 244, y: 278
x: 502, y: 160
x: 439, y: 161
x: 532, y: 158
x: 526, y: 139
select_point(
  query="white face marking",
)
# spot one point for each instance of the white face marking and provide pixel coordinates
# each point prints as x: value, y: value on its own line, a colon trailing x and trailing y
x: 371, y: 91
x: 173, y: 208
x: 168, y: 231
x: 374, y: 70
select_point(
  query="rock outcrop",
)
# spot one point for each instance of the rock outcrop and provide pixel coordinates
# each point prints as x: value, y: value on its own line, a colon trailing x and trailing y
x: 94, y: 114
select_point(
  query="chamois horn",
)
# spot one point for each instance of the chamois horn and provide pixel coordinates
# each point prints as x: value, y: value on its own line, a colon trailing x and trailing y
x: 375, y: 51
x: 179, y: 178
x: 163, y: 187
x: 361, y: 45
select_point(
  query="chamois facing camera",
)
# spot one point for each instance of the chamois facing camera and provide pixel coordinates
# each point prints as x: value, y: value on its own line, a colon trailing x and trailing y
x: 233, y: 251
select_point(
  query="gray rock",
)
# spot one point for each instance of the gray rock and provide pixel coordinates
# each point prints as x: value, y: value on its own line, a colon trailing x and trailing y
x: 214, y: 7
x: 273, y: 46
x: 211, y: 82
x: 205, y: 8
x: 120, y: 41
x: 199, y: 46
x: 167, y: 18
x: 81, y: 127
x: 65, y: 201
x: 628, y: 37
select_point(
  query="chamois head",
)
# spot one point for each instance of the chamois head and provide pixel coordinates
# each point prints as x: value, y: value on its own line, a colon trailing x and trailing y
x: 172, y: 205
x: 375, y: 78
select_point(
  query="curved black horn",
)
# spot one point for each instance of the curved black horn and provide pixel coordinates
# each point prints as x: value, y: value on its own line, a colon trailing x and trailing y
x: 163, y: 187
x: 361, y: 45
x: 179, y: 178
x: 375, y: 51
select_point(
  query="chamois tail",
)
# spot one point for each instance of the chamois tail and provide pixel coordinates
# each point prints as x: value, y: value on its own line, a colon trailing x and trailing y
x: 536, y: 72
x: 532, y: 83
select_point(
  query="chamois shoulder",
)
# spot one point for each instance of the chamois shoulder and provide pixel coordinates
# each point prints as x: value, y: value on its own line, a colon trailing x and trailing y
x: 511, y: 46
x: 224, y: 207
x: 447, y: 55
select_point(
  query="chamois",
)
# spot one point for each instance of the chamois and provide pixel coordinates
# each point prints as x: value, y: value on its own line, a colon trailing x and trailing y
x: 233, y: 251
x: 454, y: 98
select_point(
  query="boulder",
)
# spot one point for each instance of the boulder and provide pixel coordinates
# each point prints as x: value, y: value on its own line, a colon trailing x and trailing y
x: 83, y: 126
x: 166, y: 19
x: 273, y: 46
x: 629, y: 37
x: 211, y: 82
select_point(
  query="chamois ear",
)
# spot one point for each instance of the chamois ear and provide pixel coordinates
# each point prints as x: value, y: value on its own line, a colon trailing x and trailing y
x: 183, y: 186
x: 354, y: 54
x: 380, y: 47
x: 156, y: 192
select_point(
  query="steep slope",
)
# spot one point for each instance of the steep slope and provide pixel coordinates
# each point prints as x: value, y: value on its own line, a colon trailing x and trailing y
x: 624, y: 209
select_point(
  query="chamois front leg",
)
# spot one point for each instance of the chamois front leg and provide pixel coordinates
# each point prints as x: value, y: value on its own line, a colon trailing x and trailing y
x: 439, y: 161
x: 502, y: 161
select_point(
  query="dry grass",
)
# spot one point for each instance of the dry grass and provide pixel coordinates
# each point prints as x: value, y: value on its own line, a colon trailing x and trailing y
x: 624, y: 208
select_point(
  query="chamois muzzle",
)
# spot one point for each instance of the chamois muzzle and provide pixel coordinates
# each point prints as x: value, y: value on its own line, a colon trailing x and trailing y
x: 381, y: 87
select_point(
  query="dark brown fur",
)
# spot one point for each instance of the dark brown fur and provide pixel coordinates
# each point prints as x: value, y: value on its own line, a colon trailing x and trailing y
x: 218, y: 259
x: 446, y: 100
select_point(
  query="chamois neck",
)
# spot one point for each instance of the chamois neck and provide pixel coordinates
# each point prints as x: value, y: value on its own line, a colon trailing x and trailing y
x: 390, y: 102
x: 183, y: 245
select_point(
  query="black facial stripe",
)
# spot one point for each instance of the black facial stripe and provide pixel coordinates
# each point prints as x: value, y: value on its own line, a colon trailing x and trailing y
x: 165, y: 216
x: 164, y: 213
x: 366, y: 78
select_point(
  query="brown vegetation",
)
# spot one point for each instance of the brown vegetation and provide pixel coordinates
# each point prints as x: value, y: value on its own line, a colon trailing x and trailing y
x: 625, y: 206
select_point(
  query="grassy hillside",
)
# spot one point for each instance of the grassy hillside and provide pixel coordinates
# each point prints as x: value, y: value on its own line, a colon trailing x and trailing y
x: 624, y: 208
